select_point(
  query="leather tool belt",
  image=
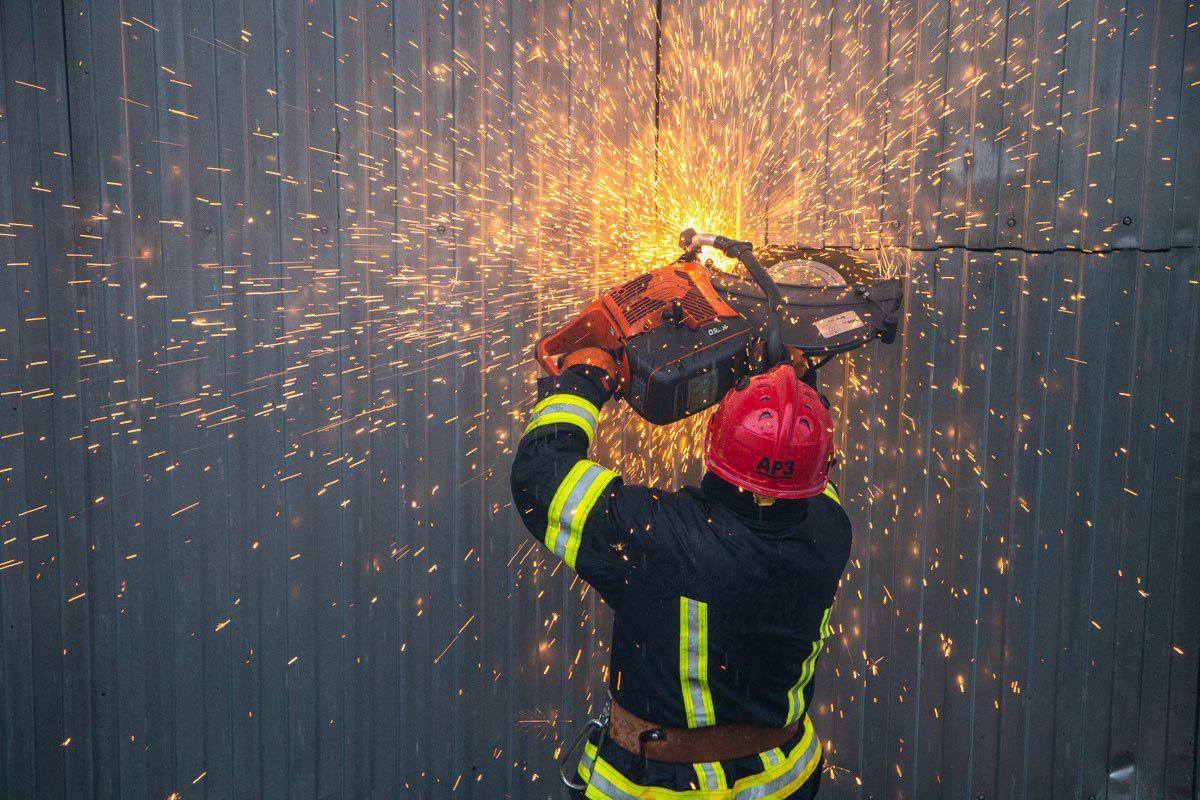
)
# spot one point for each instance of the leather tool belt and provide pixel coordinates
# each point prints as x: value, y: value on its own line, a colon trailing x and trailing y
x: 694, y: 745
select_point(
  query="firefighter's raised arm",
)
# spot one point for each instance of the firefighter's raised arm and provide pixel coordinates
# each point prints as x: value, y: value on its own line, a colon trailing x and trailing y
x: 565, y: 500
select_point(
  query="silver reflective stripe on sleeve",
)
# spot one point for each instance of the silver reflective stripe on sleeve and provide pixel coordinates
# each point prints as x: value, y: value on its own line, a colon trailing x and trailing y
x: 588, y: 761
x: 572, y: 503
x: 567, y: 409
x: 570, y: 408
x: 771, y: 757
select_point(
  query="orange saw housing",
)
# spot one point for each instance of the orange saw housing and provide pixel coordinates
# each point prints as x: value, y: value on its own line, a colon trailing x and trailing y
x: 679, y: 293
x: 678, y: 345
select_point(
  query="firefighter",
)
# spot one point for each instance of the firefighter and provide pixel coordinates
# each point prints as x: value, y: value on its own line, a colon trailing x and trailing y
x: 721, y: 593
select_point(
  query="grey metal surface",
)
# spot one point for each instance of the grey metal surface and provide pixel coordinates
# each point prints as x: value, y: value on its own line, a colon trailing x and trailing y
x: 272, y: 269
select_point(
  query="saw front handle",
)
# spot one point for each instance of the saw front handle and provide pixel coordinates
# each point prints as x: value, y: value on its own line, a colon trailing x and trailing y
x: 691, y: 242
x: 592, y: 328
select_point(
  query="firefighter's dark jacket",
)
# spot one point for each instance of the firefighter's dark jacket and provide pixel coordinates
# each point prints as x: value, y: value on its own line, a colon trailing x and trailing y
x: 721, y: 606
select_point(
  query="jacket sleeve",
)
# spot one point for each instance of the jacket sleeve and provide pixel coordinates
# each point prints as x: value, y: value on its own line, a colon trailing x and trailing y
x: 567, y: 502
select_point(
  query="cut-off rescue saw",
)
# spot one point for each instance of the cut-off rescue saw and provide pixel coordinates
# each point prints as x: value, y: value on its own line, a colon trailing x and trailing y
x: 684, y: 334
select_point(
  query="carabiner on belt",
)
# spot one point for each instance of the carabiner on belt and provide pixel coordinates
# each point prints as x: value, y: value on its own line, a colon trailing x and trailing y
x: 565, y: 769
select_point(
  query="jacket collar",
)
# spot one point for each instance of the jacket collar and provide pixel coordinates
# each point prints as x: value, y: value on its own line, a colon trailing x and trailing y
x: 741, y: 502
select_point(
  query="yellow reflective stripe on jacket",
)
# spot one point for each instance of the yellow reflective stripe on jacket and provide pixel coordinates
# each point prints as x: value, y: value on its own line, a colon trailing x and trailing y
x: 711, y: 775
x: 831, y: 493
x: 569, y: 409
x: 570, y: 506
x: 776, y: 782
x: 796, y: 693
x: 693, y: 663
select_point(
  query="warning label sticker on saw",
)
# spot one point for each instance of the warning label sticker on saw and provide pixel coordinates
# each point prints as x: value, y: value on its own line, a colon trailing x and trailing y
x: 702, y: 391
x: 839, y: 323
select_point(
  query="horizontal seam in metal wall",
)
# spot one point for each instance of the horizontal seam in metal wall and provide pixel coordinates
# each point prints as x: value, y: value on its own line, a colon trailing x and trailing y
x: 1029, y: 251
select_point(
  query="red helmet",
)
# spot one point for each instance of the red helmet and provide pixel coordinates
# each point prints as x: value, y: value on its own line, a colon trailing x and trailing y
x: 773, y: 436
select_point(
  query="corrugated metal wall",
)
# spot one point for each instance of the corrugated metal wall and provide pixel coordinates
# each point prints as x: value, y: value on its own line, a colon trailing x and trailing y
x: 1017, y: 619
x: 273, y: 270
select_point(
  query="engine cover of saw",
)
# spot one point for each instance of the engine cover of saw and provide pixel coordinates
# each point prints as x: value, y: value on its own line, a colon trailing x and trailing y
x: 683, y: 290
x: 679, y: 294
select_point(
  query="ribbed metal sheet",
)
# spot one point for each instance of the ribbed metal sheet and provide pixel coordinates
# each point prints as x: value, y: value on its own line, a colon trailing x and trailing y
x: 272, y: 269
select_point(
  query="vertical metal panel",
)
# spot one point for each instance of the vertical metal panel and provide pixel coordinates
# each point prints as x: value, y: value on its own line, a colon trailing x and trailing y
x: 273, y: 272
x: 253, y: 285
x: 1035, y: 199
x: 931, y: 87
x: 521, y: 97
x: 802, y: 55
x: 282, y: 648
x: 111, y: 239
x: 1186, y: 200
x: 1090, y: 106
x: 14, y: 598
x: 395, y: 753
x: 855, y: 132
x: 967, y: 172
x: 102, y: 774
x: 1029, y: 147
x: 33, y: 169
x: 382, y: 609
x: 1020, y: 407
x: 501, y: 347
x: 900, y: 107
x: 1148, y: 136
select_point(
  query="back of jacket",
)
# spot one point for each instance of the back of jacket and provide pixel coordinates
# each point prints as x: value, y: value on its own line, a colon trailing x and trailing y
x: 721, y: 607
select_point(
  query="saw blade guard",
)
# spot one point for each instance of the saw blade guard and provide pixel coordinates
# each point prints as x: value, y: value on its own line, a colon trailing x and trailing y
x: 833, y: 301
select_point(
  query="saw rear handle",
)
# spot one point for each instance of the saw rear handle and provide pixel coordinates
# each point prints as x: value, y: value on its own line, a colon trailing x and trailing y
x: 592, y: 328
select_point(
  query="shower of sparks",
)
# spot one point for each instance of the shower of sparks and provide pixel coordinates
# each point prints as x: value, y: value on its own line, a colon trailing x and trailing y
x: 542, y: 723
x: 292, y: 299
